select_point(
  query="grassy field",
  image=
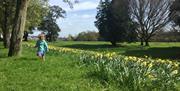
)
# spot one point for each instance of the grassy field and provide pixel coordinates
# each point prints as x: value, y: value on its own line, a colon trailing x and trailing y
x: 163, y: 50
x: 60, y: 73
x: 66, y: 72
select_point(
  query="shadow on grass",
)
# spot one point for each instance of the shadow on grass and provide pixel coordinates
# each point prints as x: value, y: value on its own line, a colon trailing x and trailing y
x: 18, y: 58
x: 163, y: 53
x: 27, y: 59
x: 3, y: 56
x: 103, y: 79
x: 91, y: 46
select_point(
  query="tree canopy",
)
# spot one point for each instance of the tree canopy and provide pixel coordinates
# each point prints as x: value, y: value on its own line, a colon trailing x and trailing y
x: 114, y: 23
x: 49, y: 24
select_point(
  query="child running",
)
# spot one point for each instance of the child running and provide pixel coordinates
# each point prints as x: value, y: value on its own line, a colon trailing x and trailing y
x: 42, y: 46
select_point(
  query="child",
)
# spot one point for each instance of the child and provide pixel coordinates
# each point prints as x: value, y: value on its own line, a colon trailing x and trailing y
x: 42, y: 46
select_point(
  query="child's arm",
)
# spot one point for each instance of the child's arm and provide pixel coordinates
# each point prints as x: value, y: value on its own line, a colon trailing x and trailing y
x: 46, y: 46
x: 36, y: 45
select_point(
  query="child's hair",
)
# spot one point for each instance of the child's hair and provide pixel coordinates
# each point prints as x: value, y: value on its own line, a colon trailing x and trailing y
x: 42, y: 36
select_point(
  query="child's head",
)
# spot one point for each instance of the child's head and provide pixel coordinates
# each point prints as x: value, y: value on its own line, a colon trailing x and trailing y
x: 41, y: 37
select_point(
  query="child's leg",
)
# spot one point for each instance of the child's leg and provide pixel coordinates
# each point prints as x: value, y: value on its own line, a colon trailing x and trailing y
x: 41, y: 56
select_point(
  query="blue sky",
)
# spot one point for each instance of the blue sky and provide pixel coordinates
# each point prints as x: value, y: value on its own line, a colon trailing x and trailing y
x: 80, y: 18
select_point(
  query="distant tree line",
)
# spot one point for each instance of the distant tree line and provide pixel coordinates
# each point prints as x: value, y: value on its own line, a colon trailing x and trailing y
x: 167, y: 36
x: 84, y: 36
x: 161, y: 36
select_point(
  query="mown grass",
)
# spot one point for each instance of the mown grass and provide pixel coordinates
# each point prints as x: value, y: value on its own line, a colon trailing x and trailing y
x: 63, y: 72
x: 163, y: 50
x: 60, y: 72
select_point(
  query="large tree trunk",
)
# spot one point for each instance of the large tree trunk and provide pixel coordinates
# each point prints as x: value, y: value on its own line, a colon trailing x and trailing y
x: 18, y: 28
x: 147, y: 42
x: 6, y: 38
x: 5, y: 27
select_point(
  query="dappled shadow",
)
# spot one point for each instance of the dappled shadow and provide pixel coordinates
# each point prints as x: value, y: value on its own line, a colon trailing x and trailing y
x: 90, y: 46
x: 163, y: 53
x: 27, y: 59
x: 3, y: 56
x: 97, y: 76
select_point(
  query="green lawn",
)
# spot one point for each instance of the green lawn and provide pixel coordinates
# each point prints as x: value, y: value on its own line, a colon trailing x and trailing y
x: 60, y: 72
x: 163, y: 50
x: 64, y: 72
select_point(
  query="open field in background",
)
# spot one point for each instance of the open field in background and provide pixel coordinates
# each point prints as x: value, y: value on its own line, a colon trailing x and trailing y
x: 163, y: 50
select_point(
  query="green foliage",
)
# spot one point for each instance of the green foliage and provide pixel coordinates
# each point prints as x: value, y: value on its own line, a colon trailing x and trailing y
x: 49, y: 24
x: 7, y: 6
x: 37, y: 10
x: 134, y: 75
x: 114, y: 25
x: 87, y: 36
x: 70, y: 37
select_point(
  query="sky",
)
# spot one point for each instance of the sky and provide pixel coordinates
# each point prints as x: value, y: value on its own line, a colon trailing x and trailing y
x: 80, y: 18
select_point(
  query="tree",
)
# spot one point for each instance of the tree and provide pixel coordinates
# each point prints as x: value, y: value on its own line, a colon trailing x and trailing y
x: 70, y: 38
x: 49, y: 24
x: 112, y: 21
x: 123, y: 20
x: 150, y: 17
x: 37, y: 10
x: 7, y: 9
x: 87, y: 36
x: 175, y: 8
x: 51, y: 28
x: 18, y: 28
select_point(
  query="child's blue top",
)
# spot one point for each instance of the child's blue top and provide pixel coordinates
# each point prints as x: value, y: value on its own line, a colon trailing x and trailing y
x: 42, y: 45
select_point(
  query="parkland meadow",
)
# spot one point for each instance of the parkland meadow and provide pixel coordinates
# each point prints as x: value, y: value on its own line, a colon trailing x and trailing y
x: 60, y: 72
x: 92, y: 66
x: 162, y: 50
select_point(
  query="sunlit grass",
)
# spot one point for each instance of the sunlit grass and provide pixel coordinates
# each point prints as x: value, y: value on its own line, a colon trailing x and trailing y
x: 60, y: 72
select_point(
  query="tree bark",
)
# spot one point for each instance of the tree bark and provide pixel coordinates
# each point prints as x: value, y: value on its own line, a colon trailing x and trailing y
x: 6, y: 38
x: 147, y: 42
x: 18, y: 28
x: 142, y: 42
x: 5, y: 27
x: 114, y: 43
x: 26, y: 34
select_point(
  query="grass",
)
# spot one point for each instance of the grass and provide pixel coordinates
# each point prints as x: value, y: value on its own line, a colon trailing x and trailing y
x: 63, y: 72
x: 60, y: 72
x: 163, y: 50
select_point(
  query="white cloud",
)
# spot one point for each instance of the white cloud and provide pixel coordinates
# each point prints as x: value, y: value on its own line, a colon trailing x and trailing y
x: 78, y: 19
x: 86, y: 16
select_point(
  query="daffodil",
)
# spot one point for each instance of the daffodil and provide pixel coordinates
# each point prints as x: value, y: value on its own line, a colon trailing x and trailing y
x: 174, y: 72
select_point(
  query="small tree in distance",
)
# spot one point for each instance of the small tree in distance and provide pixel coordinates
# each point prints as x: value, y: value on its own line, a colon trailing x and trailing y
x: 49, y: 24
